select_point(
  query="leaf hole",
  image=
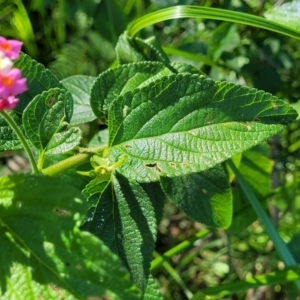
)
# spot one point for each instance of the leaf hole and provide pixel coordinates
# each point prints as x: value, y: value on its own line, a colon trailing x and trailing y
x: 153, y: 165
x: 248, y: 126
x: 256, y: 120
x: 18, y: 204
x: 274, y: 105
x: 233, y: 184
x: 193, y: 132
x: 67, y: 264
x: 51, y: 100
x: 127, y: 146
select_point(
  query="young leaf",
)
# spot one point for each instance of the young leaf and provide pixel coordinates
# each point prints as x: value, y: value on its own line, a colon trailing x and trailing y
x: 43, y: 254
x: 184, y: 123
x: 181, y: 67
x: 132, y: 49
x: 39, y: 79
x: 80, y: 87
x: 204, y: 197
x: 43, y: 121
x: 112, y: 83
x: 64, y: 141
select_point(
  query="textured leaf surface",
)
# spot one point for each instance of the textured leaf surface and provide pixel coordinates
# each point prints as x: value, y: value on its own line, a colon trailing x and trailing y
x: 132, y: 49
x: 80, y: 87
x: 204, y: 197
x: 42, y: 252
x: 62, y: 142
x: 112, y: 83
x: 124, y: 215
x: 100, y: 219
x: 152, y: 291
x: 137, y: 227
x: 184, y: 123
x: 39, y: 79
x: 43, y: 119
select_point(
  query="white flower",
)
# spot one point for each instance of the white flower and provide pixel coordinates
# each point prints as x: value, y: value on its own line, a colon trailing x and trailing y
x: 5, y: 64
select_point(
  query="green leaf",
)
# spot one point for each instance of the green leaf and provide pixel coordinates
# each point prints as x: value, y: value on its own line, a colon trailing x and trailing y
x: 39, y: 79
x: 109, y: 19
x: 43, y: 121
x: 224, y: 38
x: 62, y: 142
x: 136, y: 225
x: 152, y: 290
x: 80, y: 87
x: 181, y: 67
x: 132, y: 49
x: 184, y: 123
x: 112, y: 83
x: 100, y: 219
x: 204, y: 197
x: 124, y: 215
x: 43, y: 254
x: 286, y: 14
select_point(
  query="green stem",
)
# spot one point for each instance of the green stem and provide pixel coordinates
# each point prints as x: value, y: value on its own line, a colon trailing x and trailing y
x: 242, y: 286
x: 174, y: 274
x: 41, y: 159
x: 72, y: 162
x: 179, y: 248
x: 279, y: 244
x: 22, y: 139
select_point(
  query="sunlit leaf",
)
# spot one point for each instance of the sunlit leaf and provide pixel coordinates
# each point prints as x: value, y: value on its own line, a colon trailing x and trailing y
x: 184, y: 123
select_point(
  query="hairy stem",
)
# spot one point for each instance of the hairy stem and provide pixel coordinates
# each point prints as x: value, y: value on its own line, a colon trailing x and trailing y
x: 72, y: 162
x: 22, y: 139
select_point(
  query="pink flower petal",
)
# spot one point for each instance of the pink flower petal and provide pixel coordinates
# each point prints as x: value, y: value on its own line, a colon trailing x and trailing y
x: 19, y: 87
x: 12, y: 102
x: 14, y: 73
x: 8, y: 103
x: 4, y: 92
x: 10, y: 48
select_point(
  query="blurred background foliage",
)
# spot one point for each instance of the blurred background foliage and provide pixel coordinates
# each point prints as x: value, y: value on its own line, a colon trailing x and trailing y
x: 78, y: 37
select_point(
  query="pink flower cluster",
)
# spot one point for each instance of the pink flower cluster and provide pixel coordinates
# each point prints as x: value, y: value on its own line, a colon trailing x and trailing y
x: 11, y: 81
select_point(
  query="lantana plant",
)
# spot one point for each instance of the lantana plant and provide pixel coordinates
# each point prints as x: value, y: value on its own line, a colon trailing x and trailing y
x: 83, y: 225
